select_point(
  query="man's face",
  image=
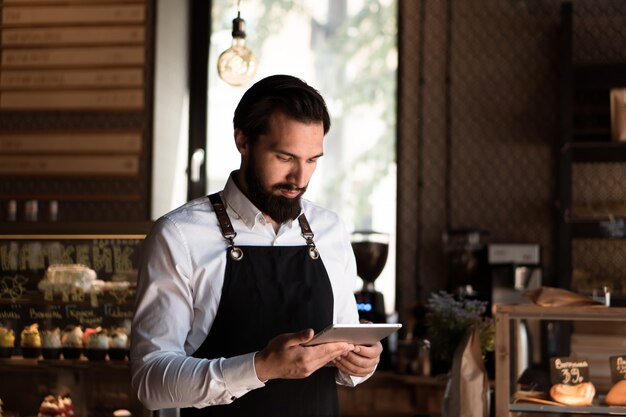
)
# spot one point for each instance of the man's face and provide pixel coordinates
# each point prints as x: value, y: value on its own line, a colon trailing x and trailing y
x: 278, y: 166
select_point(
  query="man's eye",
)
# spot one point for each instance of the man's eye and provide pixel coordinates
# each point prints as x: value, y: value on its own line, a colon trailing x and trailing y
x: 284, y: 158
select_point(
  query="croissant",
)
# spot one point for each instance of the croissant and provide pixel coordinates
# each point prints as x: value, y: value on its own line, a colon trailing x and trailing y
x: 574, y: 395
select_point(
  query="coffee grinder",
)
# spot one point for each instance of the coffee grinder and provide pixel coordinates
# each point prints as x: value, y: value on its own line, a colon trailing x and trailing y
x: 371, y: 250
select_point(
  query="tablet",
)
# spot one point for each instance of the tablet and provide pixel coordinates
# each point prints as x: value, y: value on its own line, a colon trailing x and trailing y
x: 358, y: 334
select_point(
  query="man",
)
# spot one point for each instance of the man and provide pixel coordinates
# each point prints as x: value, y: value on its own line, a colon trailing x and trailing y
x: 233, y: 284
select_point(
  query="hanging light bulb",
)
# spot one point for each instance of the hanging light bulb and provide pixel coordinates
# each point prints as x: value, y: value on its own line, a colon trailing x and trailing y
x: 237, y: 64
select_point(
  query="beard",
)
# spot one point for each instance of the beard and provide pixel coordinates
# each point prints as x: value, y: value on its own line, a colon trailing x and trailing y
x: 281, y: 209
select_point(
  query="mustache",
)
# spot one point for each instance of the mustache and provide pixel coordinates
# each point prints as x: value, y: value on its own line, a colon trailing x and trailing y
x: 288, y: 187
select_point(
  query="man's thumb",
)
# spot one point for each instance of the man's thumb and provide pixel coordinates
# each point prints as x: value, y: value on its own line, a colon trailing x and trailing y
x: 303, y: 336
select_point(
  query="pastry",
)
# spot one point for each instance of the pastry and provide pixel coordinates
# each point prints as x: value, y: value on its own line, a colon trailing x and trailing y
x: 72, y: 342
x: 574, y: 395
x: 51, y: 407
x: 7, y: 342
x: 68, y: 406
x: 51, y: 343
x: 118, y: 344
x: 97, y: 344
x: 617, y: 394
x: 61, y: 278
x: 30, y: 341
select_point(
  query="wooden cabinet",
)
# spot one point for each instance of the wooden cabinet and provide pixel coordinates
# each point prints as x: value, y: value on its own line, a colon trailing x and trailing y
x: 97, y: 388
x: 507, y: 316
x: 388, y: 394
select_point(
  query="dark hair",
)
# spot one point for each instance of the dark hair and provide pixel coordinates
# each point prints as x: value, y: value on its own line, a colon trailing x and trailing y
x: 279, y: 93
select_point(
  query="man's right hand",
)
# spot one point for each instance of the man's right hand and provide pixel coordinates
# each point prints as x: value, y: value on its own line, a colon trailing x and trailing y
x: 285, y: 357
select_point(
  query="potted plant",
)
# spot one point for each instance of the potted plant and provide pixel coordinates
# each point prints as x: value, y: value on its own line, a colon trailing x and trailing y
x: 447, y: 320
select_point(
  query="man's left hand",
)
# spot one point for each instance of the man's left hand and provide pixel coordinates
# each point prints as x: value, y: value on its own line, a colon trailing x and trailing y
x: 361, y: 361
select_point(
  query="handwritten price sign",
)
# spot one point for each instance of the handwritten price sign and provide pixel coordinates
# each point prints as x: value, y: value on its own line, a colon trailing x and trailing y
x: 569, y: 371
x: 618, y: 368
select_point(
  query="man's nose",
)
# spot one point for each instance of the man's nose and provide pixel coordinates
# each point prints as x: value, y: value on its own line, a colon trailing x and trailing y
x: 298, y: 175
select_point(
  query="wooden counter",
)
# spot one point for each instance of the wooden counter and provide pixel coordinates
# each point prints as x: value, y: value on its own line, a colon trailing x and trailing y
x: 388, y: 394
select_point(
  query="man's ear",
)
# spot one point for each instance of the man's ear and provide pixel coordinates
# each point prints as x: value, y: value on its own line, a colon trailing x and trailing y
x: 241, y: 141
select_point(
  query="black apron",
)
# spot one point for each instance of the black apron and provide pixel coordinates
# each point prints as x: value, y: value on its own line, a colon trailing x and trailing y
x: 269, y: 290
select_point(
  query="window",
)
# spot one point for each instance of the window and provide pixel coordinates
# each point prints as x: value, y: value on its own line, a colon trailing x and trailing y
x: 346, y: 49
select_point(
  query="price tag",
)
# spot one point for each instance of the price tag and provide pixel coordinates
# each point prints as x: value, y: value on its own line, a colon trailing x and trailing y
x: 569, y: 371
x: 618, y: 368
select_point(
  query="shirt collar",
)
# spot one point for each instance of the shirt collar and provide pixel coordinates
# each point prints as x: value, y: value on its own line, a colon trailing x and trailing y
x: 243, y: 208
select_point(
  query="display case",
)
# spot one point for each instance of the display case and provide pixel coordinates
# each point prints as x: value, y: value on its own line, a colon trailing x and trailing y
x: 508, y: 317
x: 100, y: 296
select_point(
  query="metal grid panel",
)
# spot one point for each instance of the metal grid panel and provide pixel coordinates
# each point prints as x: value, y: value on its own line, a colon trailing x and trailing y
x: 598, y: 189
x: 598, y: 263
x: 490, y: 119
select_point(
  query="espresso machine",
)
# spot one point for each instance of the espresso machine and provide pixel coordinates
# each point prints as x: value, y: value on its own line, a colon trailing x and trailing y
x: 516, y: 268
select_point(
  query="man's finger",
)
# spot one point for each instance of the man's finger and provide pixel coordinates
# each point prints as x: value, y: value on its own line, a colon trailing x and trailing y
x: 349, y: 368
x: 327, y: 352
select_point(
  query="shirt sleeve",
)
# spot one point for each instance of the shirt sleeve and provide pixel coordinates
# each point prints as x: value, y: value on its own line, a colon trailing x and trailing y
x: 164, y: 375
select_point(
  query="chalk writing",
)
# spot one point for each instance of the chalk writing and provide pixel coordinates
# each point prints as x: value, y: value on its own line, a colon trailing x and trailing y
x: 559, y: 364
x: 10, y: 315
x: 103, y: 256
x: 12, y: 287
x: 84, y: 317
x: 44, y: 315
x: 116, y: 312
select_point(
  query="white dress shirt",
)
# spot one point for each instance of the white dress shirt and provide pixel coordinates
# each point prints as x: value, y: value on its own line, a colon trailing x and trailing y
x: 179, y: 289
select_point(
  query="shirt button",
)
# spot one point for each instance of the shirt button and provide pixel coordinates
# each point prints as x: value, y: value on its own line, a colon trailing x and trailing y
x: 233, y: 398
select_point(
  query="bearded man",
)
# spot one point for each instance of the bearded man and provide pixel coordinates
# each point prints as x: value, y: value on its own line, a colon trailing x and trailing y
x: 232, y: 285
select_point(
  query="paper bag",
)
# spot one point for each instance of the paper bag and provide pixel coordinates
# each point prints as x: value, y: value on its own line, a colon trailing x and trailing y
x: 467, y: 393
x: 558, y: 297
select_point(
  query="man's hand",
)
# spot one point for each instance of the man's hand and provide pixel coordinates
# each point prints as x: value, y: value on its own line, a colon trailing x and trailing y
x: 361, y: 361
x: 284, y: 357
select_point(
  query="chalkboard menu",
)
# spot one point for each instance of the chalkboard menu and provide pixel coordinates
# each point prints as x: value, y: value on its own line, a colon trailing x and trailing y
x: 28, y: 295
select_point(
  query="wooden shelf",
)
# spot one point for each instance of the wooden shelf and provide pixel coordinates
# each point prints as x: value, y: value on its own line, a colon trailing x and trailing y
x: 74, y: 228
x: 604, y: 228
x: 588, y: 313
x: 595, y: 151
x: 594, y: 409
x: 599, y: 76
x: 18, y: 362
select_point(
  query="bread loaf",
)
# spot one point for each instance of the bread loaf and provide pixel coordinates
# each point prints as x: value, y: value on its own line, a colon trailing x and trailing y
x: 617, y: 394
x: 574, y: 395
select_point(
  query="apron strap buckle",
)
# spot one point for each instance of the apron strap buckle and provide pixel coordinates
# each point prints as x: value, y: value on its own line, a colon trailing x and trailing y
x: 308, y: 235
x: 228, y: 232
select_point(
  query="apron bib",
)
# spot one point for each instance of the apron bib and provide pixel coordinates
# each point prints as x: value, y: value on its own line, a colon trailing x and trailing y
x: 269, y: 290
